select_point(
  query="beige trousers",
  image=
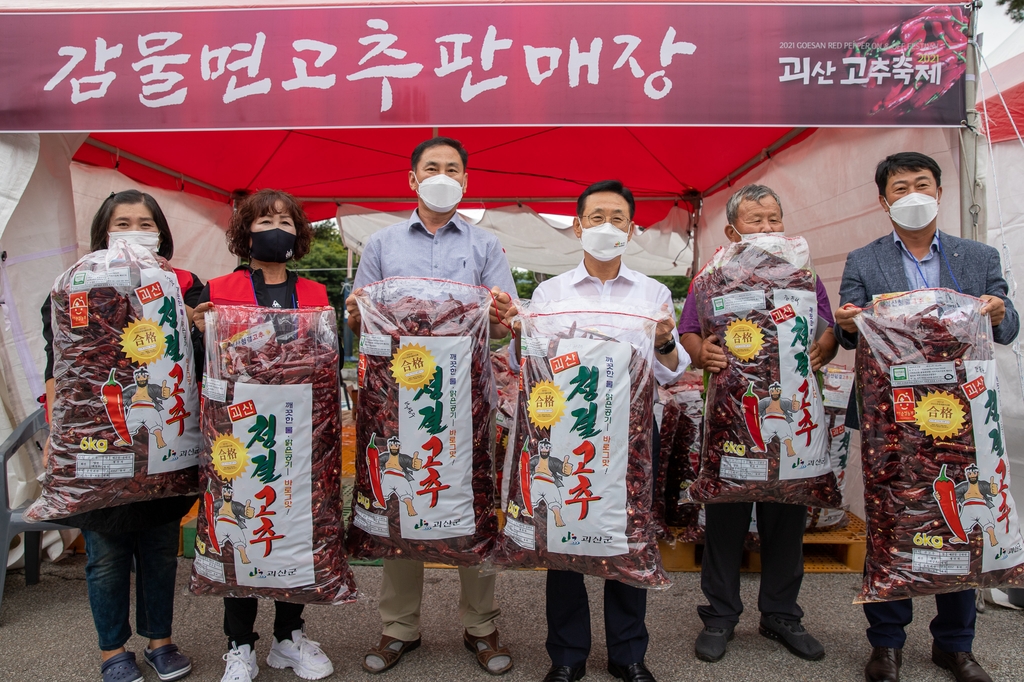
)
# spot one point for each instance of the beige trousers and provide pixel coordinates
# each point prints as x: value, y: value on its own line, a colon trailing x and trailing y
x: 401, y: 592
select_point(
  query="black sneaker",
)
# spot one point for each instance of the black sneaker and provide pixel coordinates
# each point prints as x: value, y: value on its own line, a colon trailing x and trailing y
x: 710, y: 645
x: 793, y: 636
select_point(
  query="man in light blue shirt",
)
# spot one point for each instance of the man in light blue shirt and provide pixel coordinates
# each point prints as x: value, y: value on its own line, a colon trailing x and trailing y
x: 436, y: 242
x: 924, y: 273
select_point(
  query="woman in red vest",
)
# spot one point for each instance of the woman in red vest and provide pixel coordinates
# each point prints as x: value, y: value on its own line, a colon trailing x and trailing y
x: 268, y: 229
x: 146, y: 532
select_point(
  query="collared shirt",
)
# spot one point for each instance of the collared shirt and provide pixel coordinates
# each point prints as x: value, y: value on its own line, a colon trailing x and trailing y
x: 930, y: 265
x: 458, y: 251
x: 628, y: 285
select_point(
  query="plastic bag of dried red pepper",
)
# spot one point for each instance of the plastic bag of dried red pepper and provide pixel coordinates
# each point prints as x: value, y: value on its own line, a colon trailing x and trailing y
x: 424, y: 484
x: 582, y: 482
x: 936, y: 472
x: 125, y: 422
x: 682, y: 405
x: 838, y: 385
x: 507, y: 383
x: 270, y: 516
x: 764, y: 435
x: 687, y: 518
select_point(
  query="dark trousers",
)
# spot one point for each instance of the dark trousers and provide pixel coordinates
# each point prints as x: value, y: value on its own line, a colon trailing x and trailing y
x: 240, y: 620
x: 952, y: 628
x: 625, y: 608
x: 108, y: 580
x: 568, y: 612
x: 781, y: 527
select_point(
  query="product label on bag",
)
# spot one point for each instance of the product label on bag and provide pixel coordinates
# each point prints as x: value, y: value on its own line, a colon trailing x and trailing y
x: 261, y: 498
x: 374, y: 524
x: 739, y: 302
x: 427, y: 467
x: 375, y: 344
x: 922, y: 373
x: 104, y: 466
x: 794, y: 416
x: 937, y: 562
x: 580, y: 474
x: 523, y: 534
x: 997, y: 517
x: 743, y: 469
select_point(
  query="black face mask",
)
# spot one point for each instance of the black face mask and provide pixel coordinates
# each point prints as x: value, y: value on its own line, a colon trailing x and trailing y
x: 272, y: 246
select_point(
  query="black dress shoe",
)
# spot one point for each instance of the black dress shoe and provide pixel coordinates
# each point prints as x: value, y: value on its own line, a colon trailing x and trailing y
x: 565, y: 673
x: 884, y: 665
x: 636, y: 672
x: 961, y: 664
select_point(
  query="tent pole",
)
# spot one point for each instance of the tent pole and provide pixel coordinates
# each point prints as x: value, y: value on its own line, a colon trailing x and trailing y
x: 971, y: 227
x: 155, y: 166
x: 698, y: 208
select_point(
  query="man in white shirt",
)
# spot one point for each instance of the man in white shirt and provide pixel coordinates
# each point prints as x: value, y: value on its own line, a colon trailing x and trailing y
x: 604, y: 224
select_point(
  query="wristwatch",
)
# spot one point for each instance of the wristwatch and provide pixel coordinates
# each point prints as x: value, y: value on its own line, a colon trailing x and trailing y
x: 668, y: 347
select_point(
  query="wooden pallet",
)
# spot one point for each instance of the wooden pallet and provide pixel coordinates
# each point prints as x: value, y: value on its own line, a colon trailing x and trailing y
x: 825, y: 551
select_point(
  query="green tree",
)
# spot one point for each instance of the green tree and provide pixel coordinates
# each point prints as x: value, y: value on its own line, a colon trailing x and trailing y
x: 526, y: 282
x: 1014, y: 8
x: 326, y: 262
x: 679, y: 286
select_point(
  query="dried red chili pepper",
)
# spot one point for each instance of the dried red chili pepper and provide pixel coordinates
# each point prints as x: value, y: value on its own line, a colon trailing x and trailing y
x: 406, y: 323
x: 926, y: 381
x: 565, y: 507
x: 507, y: 383
x: 279, y: 447
x: 99, y: 307
x: 759, y: 298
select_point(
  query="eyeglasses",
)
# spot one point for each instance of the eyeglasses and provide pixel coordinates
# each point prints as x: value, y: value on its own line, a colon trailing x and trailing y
x: 599, y: 218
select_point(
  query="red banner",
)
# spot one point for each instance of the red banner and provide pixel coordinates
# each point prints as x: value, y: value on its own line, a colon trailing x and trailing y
x: 458, y: 65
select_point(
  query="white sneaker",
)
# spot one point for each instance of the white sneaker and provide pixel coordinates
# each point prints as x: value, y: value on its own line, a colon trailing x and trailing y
x: 240, y: 665
x: 302, y: 655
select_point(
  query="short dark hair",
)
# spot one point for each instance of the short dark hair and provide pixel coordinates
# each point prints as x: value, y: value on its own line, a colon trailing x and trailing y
x: 264, y: 203
x: 614, y: 186
x: 440, y: 142
x: 902, y: 162
x: 101, y: 221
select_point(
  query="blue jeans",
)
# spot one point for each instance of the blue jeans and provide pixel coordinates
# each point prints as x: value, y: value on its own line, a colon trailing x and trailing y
x: 108, y: 577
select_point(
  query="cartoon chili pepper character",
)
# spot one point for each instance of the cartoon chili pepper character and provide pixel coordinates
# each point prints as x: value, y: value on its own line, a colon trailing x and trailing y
x: 945, y: 495
x: 373, y: 461
x: 113, y: 401
x: 751, y: 417
x: 211, y: 520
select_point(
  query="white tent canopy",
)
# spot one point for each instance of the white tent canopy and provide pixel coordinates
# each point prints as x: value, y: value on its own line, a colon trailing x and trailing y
x: 532, y: 242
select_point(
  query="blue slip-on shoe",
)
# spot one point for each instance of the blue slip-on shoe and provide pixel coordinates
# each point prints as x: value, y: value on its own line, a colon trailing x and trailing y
x: 121, y: 668
x: 169, y: 663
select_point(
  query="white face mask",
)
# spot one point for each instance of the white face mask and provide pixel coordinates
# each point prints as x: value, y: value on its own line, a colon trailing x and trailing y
x: 604, y: 242
x: 757, y: 235
x: 147, y: 240
x: 914, y: 212
x: 440, y: 193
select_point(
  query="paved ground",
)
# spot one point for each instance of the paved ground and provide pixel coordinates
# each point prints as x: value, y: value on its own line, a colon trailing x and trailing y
x: 46, y: 633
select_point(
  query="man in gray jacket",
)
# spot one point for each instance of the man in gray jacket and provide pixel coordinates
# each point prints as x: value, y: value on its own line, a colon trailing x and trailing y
x: 917, y: 255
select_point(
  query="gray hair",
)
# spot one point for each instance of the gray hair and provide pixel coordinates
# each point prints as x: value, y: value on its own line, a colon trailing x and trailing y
x: 753, y: 193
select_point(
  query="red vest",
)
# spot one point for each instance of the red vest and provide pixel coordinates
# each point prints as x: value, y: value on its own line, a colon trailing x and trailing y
x: 236, y: 289
x: 184, y: 280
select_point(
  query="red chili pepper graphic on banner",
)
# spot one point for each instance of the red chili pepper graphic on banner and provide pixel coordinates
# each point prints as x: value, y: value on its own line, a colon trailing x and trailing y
x: 945, y: 494
x: 114, y: 404
x: 751, y: 417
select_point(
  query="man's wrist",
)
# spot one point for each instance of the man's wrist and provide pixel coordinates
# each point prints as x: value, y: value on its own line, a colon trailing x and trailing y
x: 667, y: 347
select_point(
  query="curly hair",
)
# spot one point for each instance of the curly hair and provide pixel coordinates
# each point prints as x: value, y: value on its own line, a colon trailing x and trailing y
x: 264, y: 203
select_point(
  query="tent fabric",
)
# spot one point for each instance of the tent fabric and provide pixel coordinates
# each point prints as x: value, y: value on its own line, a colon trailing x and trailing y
x: 37, y: 247
x: 534, y: 243
x: 539, y: 167
x: 1006, y: 77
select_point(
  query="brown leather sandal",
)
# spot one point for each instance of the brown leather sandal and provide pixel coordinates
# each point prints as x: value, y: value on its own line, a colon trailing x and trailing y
x: 490, y: 650
x: 390, y: 651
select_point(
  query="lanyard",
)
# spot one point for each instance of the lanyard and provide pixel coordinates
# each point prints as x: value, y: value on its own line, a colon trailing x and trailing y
x: 920, y: 272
